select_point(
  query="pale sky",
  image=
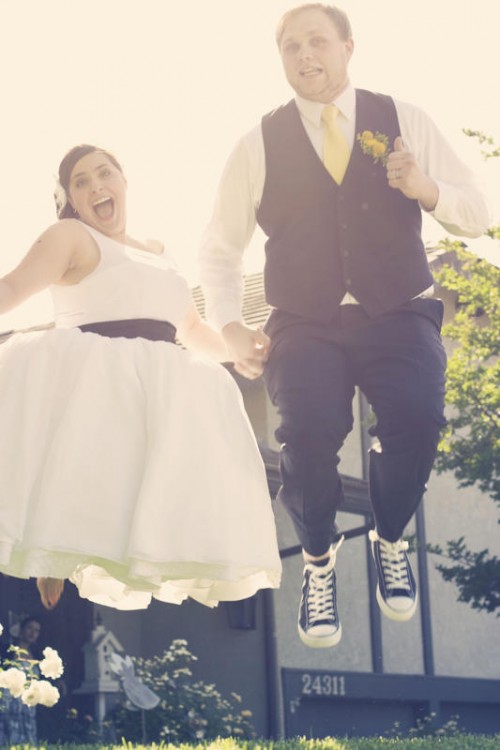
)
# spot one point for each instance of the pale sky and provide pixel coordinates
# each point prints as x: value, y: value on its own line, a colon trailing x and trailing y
x: 169, y: 86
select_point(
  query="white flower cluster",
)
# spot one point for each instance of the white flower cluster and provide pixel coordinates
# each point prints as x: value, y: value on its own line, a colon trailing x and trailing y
x: 13, y: 679
x: 27, y: 687
x: 40, y: 691
x: 51, y: 666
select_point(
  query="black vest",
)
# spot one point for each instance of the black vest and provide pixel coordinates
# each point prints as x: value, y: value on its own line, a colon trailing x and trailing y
x: 324, y: 239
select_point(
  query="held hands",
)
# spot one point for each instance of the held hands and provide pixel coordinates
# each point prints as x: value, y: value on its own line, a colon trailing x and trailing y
x: 248, y: 348
x: 403, y: 173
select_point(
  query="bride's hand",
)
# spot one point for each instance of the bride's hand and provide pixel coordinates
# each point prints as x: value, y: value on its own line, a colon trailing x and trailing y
x: 248, y: 348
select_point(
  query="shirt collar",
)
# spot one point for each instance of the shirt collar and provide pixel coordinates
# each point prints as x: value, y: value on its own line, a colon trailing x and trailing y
x: 346, y: 102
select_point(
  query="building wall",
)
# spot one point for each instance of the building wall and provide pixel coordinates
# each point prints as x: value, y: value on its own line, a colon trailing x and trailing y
x: 466, y: 642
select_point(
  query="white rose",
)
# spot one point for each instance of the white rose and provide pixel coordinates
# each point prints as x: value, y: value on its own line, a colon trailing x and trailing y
x: 14, y: 680
x: 51, y: 666
x: 31, y: 695
x: 1, y: 628
x: 48, y: 695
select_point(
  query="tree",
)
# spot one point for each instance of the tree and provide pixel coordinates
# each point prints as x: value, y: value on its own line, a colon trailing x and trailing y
x: 471, y: 443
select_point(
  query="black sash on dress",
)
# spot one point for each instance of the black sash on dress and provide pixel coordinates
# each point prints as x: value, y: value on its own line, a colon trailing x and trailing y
x: 144, y: 328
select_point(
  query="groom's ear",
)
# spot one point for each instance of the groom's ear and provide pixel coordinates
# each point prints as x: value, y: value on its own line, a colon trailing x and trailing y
x: 349, y: 46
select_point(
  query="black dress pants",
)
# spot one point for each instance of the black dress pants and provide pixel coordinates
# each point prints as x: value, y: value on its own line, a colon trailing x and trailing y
x: 398, y: 361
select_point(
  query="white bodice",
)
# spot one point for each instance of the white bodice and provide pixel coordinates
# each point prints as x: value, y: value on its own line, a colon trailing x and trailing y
x: 127, y: 283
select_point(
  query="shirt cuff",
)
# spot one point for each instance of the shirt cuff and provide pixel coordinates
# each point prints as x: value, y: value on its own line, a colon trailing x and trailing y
x: 464, y: 217
x: 445, y: 206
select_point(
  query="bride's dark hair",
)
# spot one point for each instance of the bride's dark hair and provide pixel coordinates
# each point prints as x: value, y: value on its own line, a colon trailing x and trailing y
x: 63, y: 206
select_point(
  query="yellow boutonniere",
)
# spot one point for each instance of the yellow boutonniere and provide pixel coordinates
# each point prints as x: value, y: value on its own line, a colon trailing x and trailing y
x: 375, y: 145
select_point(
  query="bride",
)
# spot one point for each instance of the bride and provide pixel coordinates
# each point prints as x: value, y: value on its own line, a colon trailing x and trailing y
x: 127, y: 462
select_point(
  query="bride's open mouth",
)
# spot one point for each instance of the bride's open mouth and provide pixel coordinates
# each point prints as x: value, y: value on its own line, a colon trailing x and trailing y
x: 104, y: 207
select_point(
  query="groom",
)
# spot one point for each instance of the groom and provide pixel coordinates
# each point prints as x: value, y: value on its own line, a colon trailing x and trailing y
x: 339, y: 191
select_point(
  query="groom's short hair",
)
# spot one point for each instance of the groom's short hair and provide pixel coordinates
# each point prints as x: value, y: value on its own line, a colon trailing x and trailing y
x: 337, y: 16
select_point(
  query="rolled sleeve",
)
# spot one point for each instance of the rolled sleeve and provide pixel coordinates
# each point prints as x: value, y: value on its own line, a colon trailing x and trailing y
x: 462, y: 208
x: 230, y: 231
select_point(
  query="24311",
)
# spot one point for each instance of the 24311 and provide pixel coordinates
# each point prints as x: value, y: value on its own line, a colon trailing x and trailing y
x: 323, y: 684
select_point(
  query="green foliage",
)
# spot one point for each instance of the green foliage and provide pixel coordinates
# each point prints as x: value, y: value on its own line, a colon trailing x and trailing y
x: 188, y: 709
x: 494, y: 232
x: 471, y: 443
x: 476, y: 575
x: 426, y: 727
x: 490, y: 150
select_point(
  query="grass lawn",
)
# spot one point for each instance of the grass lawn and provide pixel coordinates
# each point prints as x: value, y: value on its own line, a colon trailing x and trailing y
x: 457, y: 742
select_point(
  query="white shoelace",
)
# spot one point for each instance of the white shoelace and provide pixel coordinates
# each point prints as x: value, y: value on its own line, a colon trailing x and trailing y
x: 394, y: 564
x: 320, y: 595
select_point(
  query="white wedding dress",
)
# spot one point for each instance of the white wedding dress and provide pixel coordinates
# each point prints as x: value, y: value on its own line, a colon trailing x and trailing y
x: 129, y: 466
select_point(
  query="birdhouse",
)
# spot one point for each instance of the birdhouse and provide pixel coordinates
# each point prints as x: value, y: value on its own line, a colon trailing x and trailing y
x: 99, y: 678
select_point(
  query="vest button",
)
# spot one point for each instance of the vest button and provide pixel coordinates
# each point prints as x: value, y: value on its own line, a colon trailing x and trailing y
x: 348, y: 282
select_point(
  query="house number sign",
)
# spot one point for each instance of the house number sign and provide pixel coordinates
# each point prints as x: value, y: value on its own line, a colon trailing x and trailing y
x: 323, y: 684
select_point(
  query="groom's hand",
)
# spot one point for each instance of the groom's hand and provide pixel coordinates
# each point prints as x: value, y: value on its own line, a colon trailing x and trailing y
x: 403, y: 173
x: 248, y: 348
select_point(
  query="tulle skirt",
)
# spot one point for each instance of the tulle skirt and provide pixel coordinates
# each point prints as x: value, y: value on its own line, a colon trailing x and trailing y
x: 130, y: 467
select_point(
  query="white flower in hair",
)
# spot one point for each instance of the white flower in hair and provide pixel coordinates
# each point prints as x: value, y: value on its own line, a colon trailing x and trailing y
x: 60, y: 197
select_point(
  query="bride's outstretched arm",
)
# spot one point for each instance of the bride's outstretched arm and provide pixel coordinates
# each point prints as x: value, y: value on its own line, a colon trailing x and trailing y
x: 50, y: 257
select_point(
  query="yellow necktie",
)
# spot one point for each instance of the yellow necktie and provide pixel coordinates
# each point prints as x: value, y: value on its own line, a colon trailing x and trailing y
x: 336, y: 151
